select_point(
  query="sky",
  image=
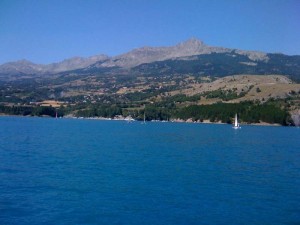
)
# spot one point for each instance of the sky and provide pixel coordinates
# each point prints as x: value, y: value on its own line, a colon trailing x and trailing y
x: 47, y: 31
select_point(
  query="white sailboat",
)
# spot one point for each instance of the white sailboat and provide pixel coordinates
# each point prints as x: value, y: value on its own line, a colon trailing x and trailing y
x: 144, y: 122
x: 236, y: 124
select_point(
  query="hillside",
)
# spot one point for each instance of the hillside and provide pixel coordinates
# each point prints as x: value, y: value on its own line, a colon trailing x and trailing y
x: 164, y: 97
x: 224, y: 64
x: 250, y: 87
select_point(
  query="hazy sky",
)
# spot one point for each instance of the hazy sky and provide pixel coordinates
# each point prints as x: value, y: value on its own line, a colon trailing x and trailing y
x: 48, y: 31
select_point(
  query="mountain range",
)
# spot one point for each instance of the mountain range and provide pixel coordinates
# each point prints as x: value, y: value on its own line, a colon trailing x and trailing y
x: 189, y: 57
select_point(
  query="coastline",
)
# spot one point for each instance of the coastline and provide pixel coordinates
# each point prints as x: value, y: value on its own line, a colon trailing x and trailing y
x: 126, y: 119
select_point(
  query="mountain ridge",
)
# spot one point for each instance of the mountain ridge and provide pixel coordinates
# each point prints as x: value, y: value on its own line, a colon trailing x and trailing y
x: 133, y: 58
x: 27, y: 67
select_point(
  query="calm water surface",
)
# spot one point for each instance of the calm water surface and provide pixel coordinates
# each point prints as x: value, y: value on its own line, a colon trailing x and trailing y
x: 67, y: 171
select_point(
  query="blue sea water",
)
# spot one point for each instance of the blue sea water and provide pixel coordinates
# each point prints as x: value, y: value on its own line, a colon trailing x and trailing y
x: 68, y: 171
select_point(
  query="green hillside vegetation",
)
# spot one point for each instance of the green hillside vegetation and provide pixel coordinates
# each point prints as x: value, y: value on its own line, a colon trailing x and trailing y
x: 224, y: 95
x: 249, y: 113
x: 30, y: 111
x: 225, y: 64
x: 164, y: 97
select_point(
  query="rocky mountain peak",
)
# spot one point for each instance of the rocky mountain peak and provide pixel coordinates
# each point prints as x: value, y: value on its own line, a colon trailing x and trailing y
x: 191, y: 43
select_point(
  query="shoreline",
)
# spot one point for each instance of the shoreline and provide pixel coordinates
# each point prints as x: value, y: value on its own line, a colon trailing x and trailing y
x: 161, y: 121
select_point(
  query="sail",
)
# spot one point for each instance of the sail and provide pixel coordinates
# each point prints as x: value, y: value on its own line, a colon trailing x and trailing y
x: 236, y: 121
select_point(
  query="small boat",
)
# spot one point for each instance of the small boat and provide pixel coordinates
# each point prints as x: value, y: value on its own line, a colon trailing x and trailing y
x: 236, y: 124
x: 144, y: 121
